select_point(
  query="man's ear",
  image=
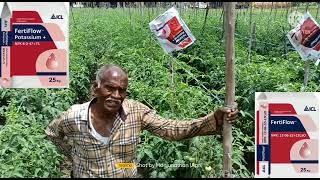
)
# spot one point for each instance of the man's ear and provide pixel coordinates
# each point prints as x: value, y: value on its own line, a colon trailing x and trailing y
x: 94, y: 88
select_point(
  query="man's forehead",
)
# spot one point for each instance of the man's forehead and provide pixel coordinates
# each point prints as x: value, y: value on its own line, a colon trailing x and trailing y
x: 114, y: 72
x: 115, y: 76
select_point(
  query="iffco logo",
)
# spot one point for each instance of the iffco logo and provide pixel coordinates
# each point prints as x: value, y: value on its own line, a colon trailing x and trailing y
x: 56, y: 16
x: 309, y: 108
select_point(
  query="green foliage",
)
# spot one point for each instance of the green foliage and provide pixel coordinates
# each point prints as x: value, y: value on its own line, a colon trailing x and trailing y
x: 25, y: 151
x: 100, y: 36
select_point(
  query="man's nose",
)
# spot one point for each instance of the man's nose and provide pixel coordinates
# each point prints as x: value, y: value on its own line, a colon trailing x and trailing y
x: 116, y: 94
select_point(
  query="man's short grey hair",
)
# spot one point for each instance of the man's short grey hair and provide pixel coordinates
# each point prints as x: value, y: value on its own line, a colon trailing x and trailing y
x: 102, y: 69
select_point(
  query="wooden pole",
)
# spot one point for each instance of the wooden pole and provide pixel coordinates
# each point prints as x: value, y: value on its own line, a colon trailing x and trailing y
x: 251, y: 33
x: 141, y: 7
x: 236, y: 23
x: 253, y: 36
x: 250, y: 17
x: 252, y: 41
x: 223, y: 21
x: 148, y: 14
x: 285, y: 43
x: 205, y: 18
x: 317, y: 11
x: 230, y: 86
x: 270, y: 16
x: 306, y: 73
x: 130, y: 17
x: 281, y: 10
x: 275, y: 11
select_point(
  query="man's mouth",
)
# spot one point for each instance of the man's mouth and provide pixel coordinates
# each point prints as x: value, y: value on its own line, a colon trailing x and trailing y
x: 112, y: 103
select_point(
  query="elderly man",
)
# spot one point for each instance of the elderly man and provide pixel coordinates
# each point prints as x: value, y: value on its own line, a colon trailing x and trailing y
x: 100, y: 134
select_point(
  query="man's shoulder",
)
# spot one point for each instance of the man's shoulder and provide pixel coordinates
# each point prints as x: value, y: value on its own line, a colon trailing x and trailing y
x: 132, y: 104
x: 79, y: 107
x: 77, y: 111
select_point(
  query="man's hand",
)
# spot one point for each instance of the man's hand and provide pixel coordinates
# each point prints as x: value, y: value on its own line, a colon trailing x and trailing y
x: 231, y: 113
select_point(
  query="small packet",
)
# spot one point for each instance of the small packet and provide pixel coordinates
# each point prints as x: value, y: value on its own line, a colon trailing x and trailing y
x: 287, y: 134
x: 34, y: 45
x: 171, y: 31
x: 305, y: 38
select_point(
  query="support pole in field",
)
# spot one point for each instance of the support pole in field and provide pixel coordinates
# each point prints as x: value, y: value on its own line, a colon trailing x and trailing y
x: 254, y: 36
x: 236, y: 23
x: 251, y: 33
x: 173, y: 88
x: 269, y: 17
x: 141, y: 8
x: 74, y: 22
x: 281, y: 10
x: 205, y: 18
x: 194, y: 9
x: 317, y: 11
x: 223, y: 20
x: 250, y: 16
x: 285, y: 43
x: 197, y: 8
x: 149, y: 19
x: 287, y: 12
x: 158, y: 6
x: 130, y: 18
x: 275, y: 11
x: 306, y: 73
x: 230, y: 86
x: 307, y: 7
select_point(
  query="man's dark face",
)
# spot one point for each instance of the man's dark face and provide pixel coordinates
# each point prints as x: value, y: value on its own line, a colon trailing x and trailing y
x: 112, y: 90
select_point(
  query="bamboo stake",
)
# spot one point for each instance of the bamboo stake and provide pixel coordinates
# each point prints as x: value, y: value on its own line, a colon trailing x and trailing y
x: 285, y: 43
x: 275, y: 11
x: 223, y: 21
x: 148, y: 14
x: 230, y: 86
x: 306, y: 73
x: 130, y: 16
x: 250, y: 17
x: 205, y: 18
x: 141, y: 4
x: 254, y: 36
x: 236, y: 23
x: 281, y: 10
x: 252, y: 41
x: 251, y: 29
x: 317, y: 11
x: 270, y: 16
x: 194, y: 9
x: 245, y: 14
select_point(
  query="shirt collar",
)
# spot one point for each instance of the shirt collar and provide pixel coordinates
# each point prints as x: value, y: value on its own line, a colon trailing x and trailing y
x: 123, y: 111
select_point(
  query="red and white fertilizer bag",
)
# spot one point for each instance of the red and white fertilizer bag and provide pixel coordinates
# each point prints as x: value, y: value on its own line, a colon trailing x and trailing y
x: 34, y: 45
x: 305, y: 38
x: 171, y: 31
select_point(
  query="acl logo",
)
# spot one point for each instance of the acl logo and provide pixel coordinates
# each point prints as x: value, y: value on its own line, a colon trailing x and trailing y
x: 309, y: 108
x: 56, y: 16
